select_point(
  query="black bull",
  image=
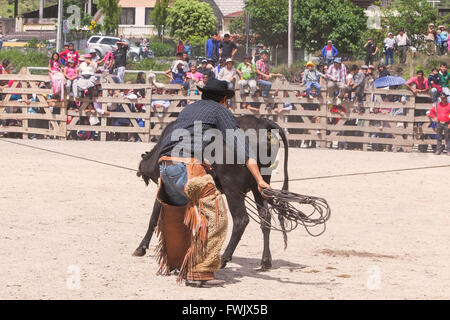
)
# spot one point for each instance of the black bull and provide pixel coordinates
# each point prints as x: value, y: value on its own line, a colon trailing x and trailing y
x: 233, y: 180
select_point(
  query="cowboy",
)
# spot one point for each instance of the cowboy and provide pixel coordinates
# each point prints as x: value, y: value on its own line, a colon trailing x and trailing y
x: 193, y: 219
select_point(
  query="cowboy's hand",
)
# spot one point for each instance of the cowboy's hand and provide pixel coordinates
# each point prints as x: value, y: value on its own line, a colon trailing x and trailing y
x: 263, y: 185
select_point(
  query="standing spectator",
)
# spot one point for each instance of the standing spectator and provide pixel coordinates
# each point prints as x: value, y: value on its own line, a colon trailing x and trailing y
x: 441, y: 114
x: 329, y: 52
x: 311, y: 78
x: 180, y: 46
x: 227, y: 48
x: 371, y: 51
x: 187, y: 48
x: 420, y: 82
x: 434, y: 82
x: 256, y: 56
x: 120, y: 59
x: 71, y: 74
x: 212, y: 48
x: 228, y: 74
x: 444, y: 75
x: 336, y: 74
x: 430, y: 40
x: 70, y: 53
x: 402, y: 41
x: 87, y: 78
x: 247, y: 75
x: 443, y: 35
x: 263, y: 73
x: 389, y: 47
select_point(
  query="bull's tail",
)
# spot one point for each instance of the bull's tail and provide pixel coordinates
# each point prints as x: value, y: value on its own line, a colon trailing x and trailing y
x: 286, y: 177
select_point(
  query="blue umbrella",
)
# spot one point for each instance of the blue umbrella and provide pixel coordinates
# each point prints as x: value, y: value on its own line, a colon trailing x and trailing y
x: 389, y: 81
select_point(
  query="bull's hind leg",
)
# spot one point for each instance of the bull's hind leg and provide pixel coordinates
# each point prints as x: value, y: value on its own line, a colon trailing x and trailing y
x: 264, y: 215
x: 240, y: 221
x: 143, y: 246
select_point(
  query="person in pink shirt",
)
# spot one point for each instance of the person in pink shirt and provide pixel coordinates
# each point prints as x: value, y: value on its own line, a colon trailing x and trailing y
x: 420, y: 82
x: 441, y: 114
x: 71, y: 74
x: 194, y: 74
x: 71, y: 53
x: 108, y: 61
x: 56, y: 76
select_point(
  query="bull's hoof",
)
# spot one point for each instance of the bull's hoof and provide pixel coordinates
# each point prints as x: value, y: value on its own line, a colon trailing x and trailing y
x: 265, y: 265
x: 139, y: 252
x: 224, y: 262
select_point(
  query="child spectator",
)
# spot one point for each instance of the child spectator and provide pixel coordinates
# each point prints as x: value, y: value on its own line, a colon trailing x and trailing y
x: 434, y: 82
x: 177, y: 75
x: 57, y: 77
x: 194, y: 74
x: 441, y: 114
x: 71, y: 53
x: 311, y: 78
x: 71, y: 74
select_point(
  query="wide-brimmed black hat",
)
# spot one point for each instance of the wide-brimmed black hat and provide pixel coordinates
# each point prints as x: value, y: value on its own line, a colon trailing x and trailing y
x: 218, y: 87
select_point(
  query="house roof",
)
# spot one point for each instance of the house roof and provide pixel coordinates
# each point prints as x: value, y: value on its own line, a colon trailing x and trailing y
x: 229, y: 6
x: 236, y: 14
x: 137, y: 3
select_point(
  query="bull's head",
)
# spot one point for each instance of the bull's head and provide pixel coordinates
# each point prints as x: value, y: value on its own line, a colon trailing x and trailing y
x: 148, y: 167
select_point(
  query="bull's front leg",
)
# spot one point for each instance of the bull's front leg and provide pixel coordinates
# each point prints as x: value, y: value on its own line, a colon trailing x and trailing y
x: 143, y: 246
x: 266, y: 260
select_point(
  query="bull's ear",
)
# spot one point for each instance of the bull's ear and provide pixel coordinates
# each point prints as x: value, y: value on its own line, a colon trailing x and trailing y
x: 143, y: 156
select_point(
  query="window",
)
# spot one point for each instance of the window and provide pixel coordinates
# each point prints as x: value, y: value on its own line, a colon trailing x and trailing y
x: 109, y: 41
x: 148, y: 16
x: 128, y: 16
x: 94, y: 39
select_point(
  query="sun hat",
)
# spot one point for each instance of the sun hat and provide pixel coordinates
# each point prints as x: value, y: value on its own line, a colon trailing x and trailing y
x: 364, y: 67
x: 338, y: 60
x: 229, y: 60
x: 87, y: 56
x: 310, y: 63
x: 218, y: 87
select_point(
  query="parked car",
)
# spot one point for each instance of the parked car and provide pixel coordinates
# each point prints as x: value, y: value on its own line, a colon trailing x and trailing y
x: 102, y: 44
x: 133, y: 53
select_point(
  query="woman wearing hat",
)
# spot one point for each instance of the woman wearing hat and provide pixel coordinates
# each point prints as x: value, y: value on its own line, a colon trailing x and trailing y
x: 87, y: 78
x: 430, y: 40
x: 228, y: 73
x: 443, y: 37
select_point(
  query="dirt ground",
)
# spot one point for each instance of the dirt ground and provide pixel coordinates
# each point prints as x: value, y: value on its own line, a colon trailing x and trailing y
x: 69, y: 228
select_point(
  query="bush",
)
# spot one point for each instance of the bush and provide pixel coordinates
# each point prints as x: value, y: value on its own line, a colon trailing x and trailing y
x: 289, y: 72
x: 162, y: 49
x: 19, y: 59
x: 198, y: 45
x: 151, y: 64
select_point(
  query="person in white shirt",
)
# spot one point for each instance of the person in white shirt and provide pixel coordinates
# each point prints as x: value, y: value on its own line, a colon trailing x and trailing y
x: 402, y: 44
x: 389, y: 47
x: 87, y: 78
x: 228, y: 73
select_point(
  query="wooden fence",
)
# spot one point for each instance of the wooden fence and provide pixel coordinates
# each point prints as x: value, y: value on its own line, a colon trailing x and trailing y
x: 303, y: 119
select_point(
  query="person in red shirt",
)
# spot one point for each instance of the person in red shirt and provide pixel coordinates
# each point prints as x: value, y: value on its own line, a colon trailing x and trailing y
x: 70, y: 54
x: 441, y: 114
x: 420, y: 82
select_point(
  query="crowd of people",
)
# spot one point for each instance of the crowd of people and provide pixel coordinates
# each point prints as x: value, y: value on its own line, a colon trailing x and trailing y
x: 76, y: 75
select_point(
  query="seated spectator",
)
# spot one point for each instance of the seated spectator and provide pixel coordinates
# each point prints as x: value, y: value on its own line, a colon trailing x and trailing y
x: 205, y: 78
x: 203, y: 65
x: 420, y: 83
x: 336, y: 76
x: 57, y: 77
x: 247, y: 75
x: 87, y: 78
x: 71, y: 74
x: 359, y: 84
x: 434, y: 82
x: 177, y: 75
x: 107, y: 61
x: 194, y: 75
x: 228, y: 74
x: 311, y: 79
x: 383, y: 71
x: 444, y: 75
x: 263, y: 74
x: 71, y: 53
x: 221, y: 65
x: 441, y: 114
x: 379, y: 133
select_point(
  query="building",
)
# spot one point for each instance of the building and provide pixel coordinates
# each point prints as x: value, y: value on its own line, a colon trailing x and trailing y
x: 226, y: 11
x: 135, y: 19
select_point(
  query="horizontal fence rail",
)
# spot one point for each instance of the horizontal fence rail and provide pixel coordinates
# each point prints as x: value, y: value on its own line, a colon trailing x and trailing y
x: 386, y: 118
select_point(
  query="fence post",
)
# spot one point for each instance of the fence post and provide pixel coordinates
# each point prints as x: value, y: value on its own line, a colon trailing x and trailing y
x: 148, y: 109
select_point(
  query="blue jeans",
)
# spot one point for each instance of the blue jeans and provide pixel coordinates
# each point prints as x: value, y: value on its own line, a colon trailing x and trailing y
x: 266, y: 85
x: 310, y: 84
x: 174, y: 178
x: 389, y: 55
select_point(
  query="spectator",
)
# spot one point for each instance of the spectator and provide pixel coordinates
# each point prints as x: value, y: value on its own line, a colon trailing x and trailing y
x: 203, y: 65
x: 402, y: 41
x: 57, y: 77
x: 71, y: 53
x: 120, y: 60
x: 65, y: 47
x: 256, y: 56
x: 194, y: 74
x: 227, y: 48
x: 228, y: 74
x: 443, y: 36
x: 441, y: 114
x: 177, y: 75
x: 389, y: 47
x: 87, y: 78
x: 359, y: 83
x: 186, y: 67
x: 219, y: 67
x: 180, y: 46
x: 187, y: 48
x: 263, y: 74
x: 311, y: 78
x: 204, y: 81
x: 212, y: 47
x: 434, y: 82
x: 71, y: 74
x: 329, y: 52
x: 383, y: 71
x: 336, y: 76
x: 4, y: 66
x: 420, y: 82
x: 444, y: 75
x: 430, y: 40
x: 371, y: 51
x: 143, y: 48
x: 94, y: 57
x: 107, y: 61
x: 247, y: 74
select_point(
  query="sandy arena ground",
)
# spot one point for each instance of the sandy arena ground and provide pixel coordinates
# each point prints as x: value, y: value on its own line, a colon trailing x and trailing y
x: 388, y: 236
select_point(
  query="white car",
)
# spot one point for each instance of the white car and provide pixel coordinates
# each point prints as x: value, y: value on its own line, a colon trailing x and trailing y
x: 102, y: 44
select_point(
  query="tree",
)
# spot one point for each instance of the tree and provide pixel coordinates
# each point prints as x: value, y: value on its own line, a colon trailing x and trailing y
x: 413, y: 16
x: 159, y: 16
x: 191, y: 18
x: 111, y: 10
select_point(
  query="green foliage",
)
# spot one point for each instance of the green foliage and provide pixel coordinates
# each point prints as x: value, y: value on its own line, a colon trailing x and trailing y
x: 19, y: 59
x: 191, y: 18
x: 159, y: 16
x: 111, y: 10
x: 151, y: 64
x: 292, y: 71
x: 198, y: 45
x: 237, y: 26
x: 413, y: 16
x: 161, y: 49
